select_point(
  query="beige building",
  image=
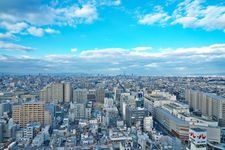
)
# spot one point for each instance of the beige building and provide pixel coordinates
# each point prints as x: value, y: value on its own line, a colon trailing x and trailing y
x: 100, y: 94
x: 210, y: 105
x: 57, y: 93
x: 29, y: 112
x: 68, y: 92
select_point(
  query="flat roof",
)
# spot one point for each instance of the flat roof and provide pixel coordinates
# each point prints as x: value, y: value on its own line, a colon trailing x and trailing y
x: 214, y: 96
x: 198, y: 129
x: 172, y: 117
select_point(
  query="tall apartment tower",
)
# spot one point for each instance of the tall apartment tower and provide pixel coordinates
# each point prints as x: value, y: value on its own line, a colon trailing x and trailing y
x: 100, y: 94
x: 208, y: 104
x: 67, y: 92
x: 28, y: 112
x: 57, y: 92
x: 80, y: 95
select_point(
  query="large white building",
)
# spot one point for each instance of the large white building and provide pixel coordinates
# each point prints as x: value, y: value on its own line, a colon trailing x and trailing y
x: 157, y: 99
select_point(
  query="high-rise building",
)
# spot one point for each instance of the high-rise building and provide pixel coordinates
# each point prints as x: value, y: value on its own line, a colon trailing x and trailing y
x: 5, y: 107
x: 1, y: 132
x: 117, y: 93
x: 91, y: 95
x: 100, y: 94
x: 67, y: 92
x: 209, y: 105
x: 56, y: 92
x: 28, y: 112
x: 80, y: 95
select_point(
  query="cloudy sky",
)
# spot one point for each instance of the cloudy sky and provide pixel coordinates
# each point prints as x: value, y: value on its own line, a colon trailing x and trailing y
x: 143, y: 37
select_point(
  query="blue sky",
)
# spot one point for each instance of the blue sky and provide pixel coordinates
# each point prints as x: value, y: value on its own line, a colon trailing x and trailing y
x: 143, y: 37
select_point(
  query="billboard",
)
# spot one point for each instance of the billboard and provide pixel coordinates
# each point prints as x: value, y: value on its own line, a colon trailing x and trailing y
x: 198, y: 136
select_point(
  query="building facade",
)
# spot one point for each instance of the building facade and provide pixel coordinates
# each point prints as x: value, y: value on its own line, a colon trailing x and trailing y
x: 29, y: 112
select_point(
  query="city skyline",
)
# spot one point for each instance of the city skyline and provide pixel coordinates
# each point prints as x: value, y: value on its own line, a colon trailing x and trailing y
x: 113, y: 37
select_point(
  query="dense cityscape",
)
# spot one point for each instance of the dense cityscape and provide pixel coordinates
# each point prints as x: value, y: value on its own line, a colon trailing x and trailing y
x: 112, y: 75
x: 111, y: 112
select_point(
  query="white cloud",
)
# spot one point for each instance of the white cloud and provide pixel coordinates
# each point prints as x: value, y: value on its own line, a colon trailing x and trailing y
x: 51, y: 31
x: 103, y: 53
x: 142, y: 48
x: 3, y: 58
x: 39, y: 32
x: 189, y: 14
x: 158, y: 16
x: 193, y: 13
x: 150, y: 19
x: 36, y: 31
x: 73, y: 50
x: 152, y: 65
x: 13, y: 27
x: 88, y: 12
x: 14, y: 47
x: 25, y: 57
x: 43, y: 15
x: 110, y: 2
x: 6, y: 35
x: 119, y: 60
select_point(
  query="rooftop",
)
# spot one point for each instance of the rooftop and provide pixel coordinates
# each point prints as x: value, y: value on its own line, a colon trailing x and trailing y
x: 198, y: 129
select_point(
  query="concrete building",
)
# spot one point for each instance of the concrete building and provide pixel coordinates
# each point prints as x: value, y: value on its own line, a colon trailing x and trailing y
x: 148, y: 123
x: 48, y: 118
x: 209, y: 105
x: 108, y: 102
x: 176, y: 126
x: 80, y: 95
x: 57, y: 92
x: 7, y: 129
x: 111, y: 112
x: 68, y: 92
x: 1, y: 132
x: 91, y: 95
x: 157, y: 99
x: 110, y: 117
x: 117, y: 94
x: 38, y: 140
x: 77, y: 111
x: 135, y: 115
x: 28, y: 132
x: 197, y: 139
x: 100, y: 94
x: 28, y: 112
x: 5, y: 107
